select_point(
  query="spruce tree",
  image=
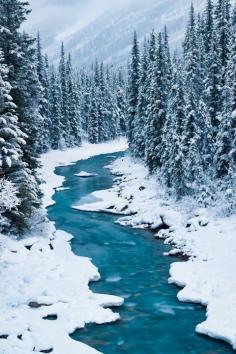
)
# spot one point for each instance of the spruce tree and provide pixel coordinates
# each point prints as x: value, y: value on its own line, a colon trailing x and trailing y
x: 74, y: 115
x: 133, y: 89
x: 56, y: 133
x: 12, y: 140
x: 232, y: 85
x: 44, y: 98
x: 140, y: 125
x: 172, y: 151
x: 111, y: 113
x: 19, y: 55
x: 103, y: 102
x: 93, y: 127
x: 192, y: 129
x: 65, y: 125
x: 85, y: 100
x: 157, y: 108
x: 222, y: 15
x: 167, y: 58
x: 212, y: 85
x: 224, y: 137
x: 121, y: 104
x: 208, y: 26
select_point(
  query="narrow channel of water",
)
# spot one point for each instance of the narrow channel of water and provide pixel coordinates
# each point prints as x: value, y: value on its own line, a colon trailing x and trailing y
x: 132, y: 265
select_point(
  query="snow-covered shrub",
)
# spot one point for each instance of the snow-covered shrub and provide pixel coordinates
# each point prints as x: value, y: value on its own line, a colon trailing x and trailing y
x: 8, y: 200
x: 219, y: 194
x: 226, y: 197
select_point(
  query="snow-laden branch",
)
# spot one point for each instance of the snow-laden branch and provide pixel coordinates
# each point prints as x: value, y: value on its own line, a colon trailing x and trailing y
x: 8, y: 196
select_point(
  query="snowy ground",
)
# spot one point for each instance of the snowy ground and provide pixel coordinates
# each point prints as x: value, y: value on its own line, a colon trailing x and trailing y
x: 41, y: 277
x: 208, y: 277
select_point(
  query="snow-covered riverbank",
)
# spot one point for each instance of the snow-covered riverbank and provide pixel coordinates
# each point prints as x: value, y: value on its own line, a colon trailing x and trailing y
x: 208, y: 277
x: 41, y: 277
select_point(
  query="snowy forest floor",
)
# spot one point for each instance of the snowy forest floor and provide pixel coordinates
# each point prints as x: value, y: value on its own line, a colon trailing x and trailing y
x: 208, y: 241
x: 41, y: 278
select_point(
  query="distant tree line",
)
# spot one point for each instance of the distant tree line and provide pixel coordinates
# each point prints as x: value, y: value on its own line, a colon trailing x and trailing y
x: 182, y: 109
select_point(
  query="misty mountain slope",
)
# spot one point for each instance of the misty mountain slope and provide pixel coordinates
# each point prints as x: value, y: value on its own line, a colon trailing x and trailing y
x: 110, y: 35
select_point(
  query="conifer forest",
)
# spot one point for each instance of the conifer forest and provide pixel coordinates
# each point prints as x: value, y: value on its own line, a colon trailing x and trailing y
x: 167, y: 112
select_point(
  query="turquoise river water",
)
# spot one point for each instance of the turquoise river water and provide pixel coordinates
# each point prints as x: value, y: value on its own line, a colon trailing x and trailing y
x: 132, y: 266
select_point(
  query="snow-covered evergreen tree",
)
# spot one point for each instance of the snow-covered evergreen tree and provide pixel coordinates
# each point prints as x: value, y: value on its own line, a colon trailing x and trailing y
x: 56, y: 135
x: 231, y: 72
x: 13, y: 171
x: 212, y: 85
x: 140, y: 125
x: 133, y: 89
x: 225, y: 135
x: 111, y: 114
x: 42, y: 72
x: 93, y: 127
x: 9, y: 202
x: 66, y: 129
x: 192, y: 129
x: 157, y: 108
x: 222, y: 16
x: 11, y: 137
x: 74, y: 114
x: 121, y: 105
x: 85, y: 100
x: 208, y: 26
x: 172, y: 151
x: 19, y: 55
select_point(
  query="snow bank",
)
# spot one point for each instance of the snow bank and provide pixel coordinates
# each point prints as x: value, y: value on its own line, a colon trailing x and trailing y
x: 41, y: 278
x: 105, y: 200
x: 44, y: 287
x: 208, y: 277
x: 62, y: 189
x: 84, y: 174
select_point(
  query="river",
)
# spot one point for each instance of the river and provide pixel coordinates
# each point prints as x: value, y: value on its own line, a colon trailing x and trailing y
x: 132, y: 265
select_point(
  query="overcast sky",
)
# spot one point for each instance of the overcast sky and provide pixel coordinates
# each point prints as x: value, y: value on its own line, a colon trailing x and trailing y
x: 57, y: 19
